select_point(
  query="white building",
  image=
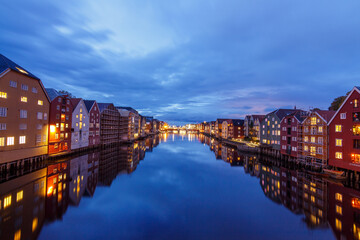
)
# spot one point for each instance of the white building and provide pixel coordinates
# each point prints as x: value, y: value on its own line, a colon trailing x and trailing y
x: 79, y: 124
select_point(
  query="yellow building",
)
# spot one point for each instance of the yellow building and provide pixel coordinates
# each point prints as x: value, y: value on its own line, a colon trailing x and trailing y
x: 24, y: 114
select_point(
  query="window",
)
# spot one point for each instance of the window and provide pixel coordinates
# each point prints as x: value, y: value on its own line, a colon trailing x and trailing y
x: 34, y: 90
x: 3, y: 112
x: 13, y: 84
x: 24, y: 87
x: 306, y: 139
x: 40, y: 102
x: 39, y: 115
x: 306, y: 148
x: 320, y: 129
x: 44, y: 138
x: 17, y: 235
x: 3, y: 95
x: 338, y: 155
x: 338, y: 142
x: 23, y: 113
x: 338, y: 197
x: 356, y: 103
x: 2, y: 126
x: 313, y: 139
x: 312, y: 150
x: 45, y: 116
x: 2, y: 141
x: 320, y: 140
x: 338, y: 224
x: 38, y: 138
x: 23, y: 126
x: 338, y: 209
x: 59, y: 100
x: 342, y: 115
x: 313, y: 121
x: 19, y: 195
x: 39, y: 127
x: 10, y: 141
x: 7, y: 201
x: 338, y: 128
x: 22, y: 139
x: 23, y: 99
x: 320, y: 150
x: 34, y: 224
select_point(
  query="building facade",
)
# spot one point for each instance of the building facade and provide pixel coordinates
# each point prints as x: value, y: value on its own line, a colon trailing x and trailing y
x: 24, y: 114
x: 314, y: 140
x: 252, y: 127
x: 60, y: 122
x: 344, y: 134
x: 109, y: 123
x: 94, y: 122
x: 79, y: 124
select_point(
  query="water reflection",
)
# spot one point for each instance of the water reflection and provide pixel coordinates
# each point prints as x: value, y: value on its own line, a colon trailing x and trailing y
x: 31, y: 198
x: 322, y: 202
x: 43, y: 194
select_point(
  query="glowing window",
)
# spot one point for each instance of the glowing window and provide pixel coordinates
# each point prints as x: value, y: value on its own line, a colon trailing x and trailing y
x: 23, y: 99
x: 338, y: 197
x: 22, y: 139
x: 19, y: 195
x: 17, y: 235
x: 2, y: 141
x: 338, y: 209
x: 40, y: 102
x: 7, y: 201
x: 338, y: 128
x: 3, y: 95
x: 356, y: 103
x: 34, y: 224
x: 313, y: 121
x: 338, y: 142
x: 338, y: 155
x: 320, y: 129
x: 313, y: 139
x: 338, y: 224
x: 10, y: 141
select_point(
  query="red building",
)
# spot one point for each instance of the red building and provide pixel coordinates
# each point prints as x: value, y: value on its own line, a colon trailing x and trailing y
x: 290, y: 134
x: 238, y: 129
x: 60, y: 122
x: 344, y: 134
x: 94, y: 122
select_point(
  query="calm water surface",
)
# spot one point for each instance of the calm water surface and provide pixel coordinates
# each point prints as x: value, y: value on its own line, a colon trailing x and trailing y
x: 186, y: 187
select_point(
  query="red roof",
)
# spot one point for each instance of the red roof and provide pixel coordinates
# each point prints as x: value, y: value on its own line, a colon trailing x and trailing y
x: 326, y: 114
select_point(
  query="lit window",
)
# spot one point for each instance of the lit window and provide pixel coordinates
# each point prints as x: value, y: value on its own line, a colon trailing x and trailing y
x: 19, y: 196
x: 3, y: 95
x: 313, y: 121
x: 7, y: 201
x: 23, y: 113
x: 40, y: 102
x: 313, y: 199
x: 13, y: 84
x: 2, y: 141
x: 313, y: 139
x: 10, y: 141
x: 338, y: 224
x: 22, y: 139
x: 23, y: 99
x: 34, y: 224
x: 306, y: 139
x: 338, y: 197
x: 356, y: 103
x: 17, y: 235
x: 338, y: 142
x: 338, y: 155
x: 338, y: 209
x: 338, y: 128
x: 320, y: 129
x: 306, y: 148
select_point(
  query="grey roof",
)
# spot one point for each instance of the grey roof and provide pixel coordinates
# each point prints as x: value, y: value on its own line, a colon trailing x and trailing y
x: 129, y: 109
x: 52, y: 93
x: 281, y: 113
x: 89, y: 104
x: 6, y: 63
x: 103, y: 106
x: 238, y: 122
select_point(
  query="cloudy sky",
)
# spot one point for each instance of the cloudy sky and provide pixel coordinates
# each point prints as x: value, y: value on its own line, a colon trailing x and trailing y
x: 190, y: 60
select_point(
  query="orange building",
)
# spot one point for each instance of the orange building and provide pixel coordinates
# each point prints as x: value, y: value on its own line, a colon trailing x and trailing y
x: 24, y: 110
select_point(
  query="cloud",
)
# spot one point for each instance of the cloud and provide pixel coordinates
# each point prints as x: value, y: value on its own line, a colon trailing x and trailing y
x: 189, y: 61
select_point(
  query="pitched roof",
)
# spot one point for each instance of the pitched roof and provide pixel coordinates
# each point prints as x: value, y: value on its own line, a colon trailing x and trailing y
x: 6, y: 63
x: 103, y: 106
x: 75, y: 102
x: 220, y: 120
x: 52, y: 93
x: 89, y: 104
x: 129, y: 109
x: 326, y: 114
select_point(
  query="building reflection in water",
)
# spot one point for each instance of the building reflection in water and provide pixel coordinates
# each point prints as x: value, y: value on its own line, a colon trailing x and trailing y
x: 29, y: 199
x: 322, y: 202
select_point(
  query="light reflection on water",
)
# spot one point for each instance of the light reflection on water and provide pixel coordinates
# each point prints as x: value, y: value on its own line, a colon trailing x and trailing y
x: 179, y: 191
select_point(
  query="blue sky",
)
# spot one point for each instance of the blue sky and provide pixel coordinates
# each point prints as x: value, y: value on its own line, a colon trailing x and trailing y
x: 189, y: 61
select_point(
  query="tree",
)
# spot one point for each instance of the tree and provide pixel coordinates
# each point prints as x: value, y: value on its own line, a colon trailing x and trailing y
x: 64, y: 92
x: 335, y: 105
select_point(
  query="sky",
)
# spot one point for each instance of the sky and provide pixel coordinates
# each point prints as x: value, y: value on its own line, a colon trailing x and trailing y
x: 190, y: 60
